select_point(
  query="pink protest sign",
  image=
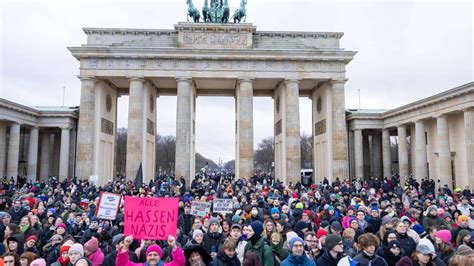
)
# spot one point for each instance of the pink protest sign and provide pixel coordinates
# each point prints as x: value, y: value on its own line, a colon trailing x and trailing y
x: 150, y: 218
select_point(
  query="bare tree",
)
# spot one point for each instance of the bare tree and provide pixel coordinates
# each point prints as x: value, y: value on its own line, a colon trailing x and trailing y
x: 165, y: 154
x: 121, y: 151
x: 265, y: 154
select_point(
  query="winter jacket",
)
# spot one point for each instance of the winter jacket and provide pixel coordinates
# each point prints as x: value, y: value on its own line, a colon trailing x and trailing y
x: 97, y: 258
x: 430, y: 221
x: 374, y: 260
x: 212, y: 241
x: 262, y: 250
x: 223, y: 260
x: 407, y: 243
x: 302, y: 260
x: 112, y: 256
x: 178, y: 259
x: 186, y: 221
x: 327, y: 260
x: 390, y: 258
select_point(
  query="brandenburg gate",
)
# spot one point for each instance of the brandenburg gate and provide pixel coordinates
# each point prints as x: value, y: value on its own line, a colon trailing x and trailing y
x: 210, y: 59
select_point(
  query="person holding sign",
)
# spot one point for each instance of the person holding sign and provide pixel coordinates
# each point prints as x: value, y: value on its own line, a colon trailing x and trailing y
x: 153, y: 254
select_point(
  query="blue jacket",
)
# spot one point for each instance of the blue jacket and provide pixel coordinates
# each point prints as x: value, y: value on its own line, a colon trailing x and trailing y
x: 302, y: 260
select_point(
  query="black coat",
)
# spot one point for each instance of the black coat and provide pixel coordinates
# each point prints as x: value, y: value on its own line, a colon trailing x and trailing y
x: 407, y: 243
x: 327, y: 260
x: 223, y: 260
x: 212, y: 241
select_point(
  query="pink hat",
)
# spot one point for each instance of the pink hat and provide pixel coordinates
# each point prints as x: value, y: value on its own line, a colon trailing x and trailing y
x: 92, y: 245
x: 38, y: 262
x: 154, y: 248
x: 444, y: 235
x: 61, y: 225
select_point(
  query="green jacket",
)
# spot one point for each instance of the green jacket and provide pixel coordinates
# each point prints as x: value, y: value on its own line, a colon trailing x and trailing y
x: 261, y: 248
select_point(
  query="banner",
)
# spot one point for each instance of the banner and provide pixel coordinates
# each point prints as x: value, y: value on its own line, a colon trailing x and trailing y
x: 200, y: 208
x: 222, y: 206
x: 150, y: 218
x: 109, y: 206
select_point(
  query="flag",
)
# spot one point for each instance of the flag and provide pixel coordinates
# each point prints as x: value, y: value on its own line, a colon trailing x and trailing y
x: 139, y: 178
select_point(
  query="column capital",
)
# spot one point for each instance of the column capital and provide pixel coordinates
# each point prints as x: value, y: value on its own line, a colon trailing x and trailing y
x: 136, y: 78
x: 292, y: 80
x: 440, y: 116
x: 468, y: 109
x: 338, y: 80
x: 85, y: 78
x: 184, y: 79
x: 245, y: 79
x: 65, y: 128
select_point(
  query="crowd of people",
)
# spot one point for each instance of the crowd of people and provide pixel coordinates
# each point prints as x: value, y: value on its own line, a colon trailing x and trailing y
x: 371, y: 222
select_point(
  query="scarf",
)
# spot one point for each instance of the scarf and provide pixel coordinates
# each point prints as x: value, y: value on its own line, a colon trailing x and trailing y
x: 63, y: 262
x: 23, y: 228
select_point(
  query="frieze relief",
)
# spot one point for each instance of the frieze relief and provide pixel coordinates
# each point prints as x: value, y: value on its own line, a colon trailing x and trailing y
x: 212, y: 65
x: 220, y: 39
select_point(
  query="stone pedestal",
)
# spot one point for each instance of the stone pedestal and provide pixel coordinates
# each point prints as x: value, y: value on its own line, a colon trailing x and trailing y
x: 339, y: 131
x: 469, y: 136
x: 402, y: 154
x: 13, y: 150
x: 64, y: 154
x: 377, y: 154
x: 386, y: 156
x: 444, y: 153
x: 85, y: 133
x: 33, y: 154
x: 3, y: 147
x: 358, y: 154
x: 141, y: 129
x: 45, y: 155
x: 185, y: 130
x: 244, y: 132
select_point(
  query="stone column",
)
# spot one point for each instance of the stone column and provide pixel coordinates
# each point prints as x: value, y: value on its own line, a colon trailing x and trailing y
x: 420, y: 146
x: 386, y: 156
x: 13, y: 150
x: 444, y: 153
x: 402, y: 154
x: 339, y: 131
x: 366, y: 152
x: 56, y: 154
x: 64, y: 154
x: 377, y: 154
x: 45, y: 158
x: 292, y: 131
x: 135, y: 125
x: 33, y: 154
x: 3, y: 147
x: 85, y: 132
x: 469, y: 138
x: 244, y: 116
x: 358, y: 154
x: 184, y: 128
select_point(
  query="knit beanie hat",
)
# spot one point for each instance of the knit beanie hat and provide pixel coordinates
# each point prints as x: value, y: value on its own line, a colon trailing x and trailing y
x: 213, y: 220
x: 64, y: 248
x: 332, y: 241
x: 197, y: 232
x: 299, y: 205
x: 321, y: 232
x: 32, y: 237
x: 235, y: 219
x: 289, y: 236
x: 77, y: 248
x: 275, y: 210
x: 444, y: 235
x: 92, y: 245
x: 463, y: 218
x: 294, y: 240
x: 432, y: 208
x: 257, y: 227
x: 38, y: 262
x: 301, y: 225
x: 464, y: 250
x: 154, y: 248
x: 418, y: 229
x: 61, y: 225
x: 463, y: 233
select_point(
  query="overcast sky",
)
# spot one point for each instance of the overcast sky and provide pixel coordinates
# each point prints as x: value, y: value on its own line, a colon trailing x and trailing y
x: 406, y: 51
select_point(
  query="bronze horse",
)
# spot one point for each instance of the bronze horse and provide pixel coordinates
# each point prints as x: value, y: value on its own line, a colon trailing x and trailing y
x: 240, y: 13
x: 192, y: 11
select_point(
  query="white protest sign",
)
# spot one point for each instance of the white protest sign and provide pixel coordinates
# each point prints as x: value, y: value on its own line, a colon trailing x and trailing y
x: 222, y: 206
x: 200, y: 208
x: 109, y: 205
